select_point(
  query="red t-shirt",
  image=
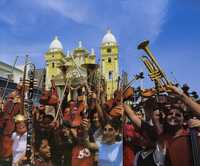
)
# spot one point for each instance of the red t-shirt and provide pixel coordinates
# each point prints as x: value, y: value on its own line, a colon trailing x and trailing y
x: 82, y: 156
x: 128, y: 155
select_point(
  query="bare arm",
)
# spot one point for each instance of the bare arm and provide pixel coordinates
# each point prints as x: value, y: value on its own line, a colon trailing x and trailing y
x: 187, y: 100
x: 191, y: 103
x: 131, y: 114
x: 100, y: 112
x: 90, y: 145
x: 149, y: 132
x: 156, y: 120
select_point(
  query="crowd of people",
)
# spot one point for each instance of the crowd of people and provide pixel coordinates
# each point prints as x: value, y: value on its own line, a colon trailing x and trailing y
x: 90, y: 132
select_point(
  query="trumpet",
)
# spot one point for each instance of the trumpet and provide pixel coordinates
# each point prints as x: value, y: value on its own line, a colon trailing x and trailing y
x: 155, y: 72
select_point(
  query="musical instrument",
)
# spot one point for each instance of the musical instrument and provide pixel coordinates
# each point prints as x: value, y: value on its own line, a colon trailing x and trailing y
x: 153, y: 91
x: 64, y: 69
x: 50, y: 97
x: 155, y: 72
x: 29, y: 107
x: 136, y: 77
x: 53, y: 96
x: 148, y: 92
x: 128, y: 91
x: 11, y: 107
x: 23, y: 85
x: 122, y: 95
x: 195, y: 141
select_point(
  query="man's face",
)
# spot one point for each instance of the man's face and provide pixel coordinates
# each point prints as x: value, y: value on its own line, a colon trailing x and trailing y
x: 21, y: 127
x: 66, y: 131
x: 45, y: 149
x: 174, y: 117
x: 72, y: 104
x: 139, y: 115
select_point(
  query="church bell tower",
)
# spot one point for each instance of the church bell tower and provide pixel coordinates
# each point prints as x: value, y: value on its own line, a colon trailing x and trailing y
x: 110, y: 62
x: 54, y: 58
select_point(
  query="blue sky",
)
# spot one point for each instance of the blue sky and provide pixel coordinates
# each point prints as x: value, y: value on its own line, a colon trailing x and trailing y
x: 172, y: 26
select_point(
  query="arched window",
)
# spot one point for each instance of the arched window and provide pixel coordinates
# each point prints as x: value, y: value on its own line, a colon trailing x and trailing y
x: 110, y: 75
x: 108, y: 50
x: 109, y: 60
x: 53, y: 65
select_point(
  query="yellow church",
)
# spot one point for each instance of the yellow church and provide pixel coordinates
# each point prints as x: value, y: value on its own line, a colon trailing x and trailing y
x: 73, y: 66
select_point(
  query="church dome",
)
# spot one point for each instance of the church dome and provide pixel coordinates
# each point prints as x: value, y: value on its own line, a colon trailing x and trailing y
x: 55, y: 45
x: 109, y: 38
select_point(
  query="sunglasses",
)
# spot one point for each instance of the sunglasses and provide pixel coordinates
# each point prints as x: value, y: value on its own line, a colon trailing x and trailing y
x: 108, y: 129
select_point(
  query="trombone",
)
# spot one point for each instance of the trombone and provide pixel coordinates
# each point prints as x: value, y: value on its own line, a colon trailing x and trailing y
x: 156, y: 74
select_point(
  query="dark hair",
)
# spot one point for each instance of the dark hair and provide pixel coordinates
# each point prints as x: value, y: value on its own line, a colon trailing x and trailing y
x: 48, y: 118
x: 173, y: 106
x: 66, y: 124
x: 115, y: 123
x: 38, y: 143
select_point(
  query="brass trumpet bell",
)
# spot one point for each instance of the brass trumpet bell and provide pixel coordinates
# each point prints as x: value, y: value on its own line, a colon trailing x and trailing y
x: 155, y: 72
x: 143, y: 45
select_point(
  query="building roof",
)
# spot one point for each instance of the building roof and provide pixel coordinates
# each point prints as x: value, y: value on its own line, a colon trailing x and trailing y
x: 9, y: 66
x: 55, y: 45
x: 109, y: 38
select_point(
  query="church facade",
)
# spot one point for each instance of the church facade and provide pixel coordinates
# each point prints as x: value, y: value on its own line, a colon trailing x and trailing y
x: 63, y: 67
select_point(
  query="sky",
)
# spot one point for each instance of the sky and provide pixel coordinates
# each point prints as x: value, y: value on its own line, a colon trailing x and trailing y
x: 171, y: 26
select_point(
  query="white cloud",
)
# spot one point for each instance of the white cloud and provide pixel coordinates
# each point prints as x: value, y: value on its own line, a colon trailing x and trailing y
x: 139, y: 19
x: 130, y: 20
x: 145, y: 17
x: 142, y: 18
x: 72, y: 10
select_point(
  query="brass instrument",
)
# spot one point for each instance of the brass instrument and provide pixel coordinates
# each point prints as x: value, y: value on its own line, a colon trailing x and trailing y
x: 155, y: 72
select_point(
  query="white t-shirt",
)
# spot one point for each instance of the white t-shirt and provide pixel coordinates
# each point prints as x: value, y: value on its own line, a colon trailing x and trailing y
x: 19, y: 146
x: 110, y: 155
